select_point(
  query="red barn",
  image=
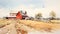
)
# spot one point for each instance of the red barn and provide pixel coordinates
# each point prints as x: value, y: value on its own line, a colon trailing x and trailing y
x: 17, y: 15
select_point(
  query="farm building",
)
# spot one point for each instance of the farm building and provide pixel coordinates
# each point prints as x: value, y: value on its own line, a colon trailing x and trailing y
x: 18, y: 15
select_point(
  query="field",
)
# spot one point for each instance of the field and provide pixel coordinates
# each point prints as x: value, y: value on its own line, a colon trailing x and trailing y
x: 40, y: 25
x: 24, y: 26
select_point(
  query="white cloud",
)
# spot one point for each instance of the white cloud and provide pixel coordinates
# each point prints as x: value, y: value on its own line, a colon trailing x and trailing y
x: 4, y: 12
x: 33, y: 8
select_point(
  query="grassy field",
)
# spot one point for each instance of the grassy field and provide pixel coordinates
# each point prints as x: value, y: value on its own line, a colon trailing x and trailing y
x: 40, y: 25
x: 33, y: 24
x: 4, y: 22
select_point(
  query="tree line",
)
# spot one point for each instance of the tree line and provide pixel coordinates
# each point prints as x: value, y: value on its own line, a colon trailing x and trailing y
x: 52, y: 15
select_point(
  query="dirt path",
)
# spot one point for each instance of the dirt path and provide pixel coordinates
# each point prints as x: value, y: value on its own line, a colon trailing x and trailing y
x: 30, y: 27
x: 8, y: 29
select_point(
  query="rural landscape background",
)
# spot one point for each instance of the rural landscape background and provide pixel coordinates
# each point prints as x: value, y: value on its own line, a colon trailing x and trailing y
x: 29, y: 16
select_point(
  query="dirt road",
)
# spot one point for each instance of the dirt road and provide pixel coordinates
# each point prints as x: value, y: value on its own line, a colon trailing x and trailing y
x: 30, y: 27
x: 8, y: 29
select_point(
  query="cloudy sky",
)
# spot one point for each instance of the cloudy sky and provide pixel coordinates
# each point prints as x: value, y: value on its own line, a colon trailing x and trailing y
x: 31, y: 6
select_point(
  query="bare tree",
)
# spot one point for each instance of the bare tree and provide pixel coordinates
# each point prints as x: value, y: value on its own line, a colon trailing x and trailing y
x: 38, y: 16
x: 52, y: 15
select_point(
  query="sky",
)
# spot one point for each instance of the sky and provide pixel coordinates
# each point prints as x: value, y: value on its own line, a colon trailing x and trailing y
x: 31, y: 6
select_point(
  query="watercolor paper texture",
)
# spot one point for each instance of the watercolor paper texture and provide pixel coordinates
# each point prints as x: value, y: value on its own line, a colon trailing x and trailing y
x: 29, y: 16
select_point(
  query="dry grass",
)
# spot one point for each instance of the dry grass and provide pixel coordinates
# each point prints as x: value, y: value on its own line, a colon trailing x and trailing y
x: 33, y: 24
x: 41, y: 25
x: 4, y: 22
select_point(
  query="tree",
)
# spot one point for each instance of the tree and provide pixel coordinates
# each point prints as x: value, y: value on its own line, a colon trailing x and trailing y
x: 53, y: 15
x: 38, y: 16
